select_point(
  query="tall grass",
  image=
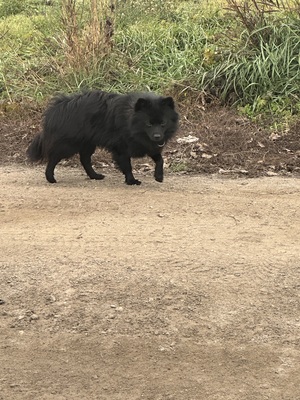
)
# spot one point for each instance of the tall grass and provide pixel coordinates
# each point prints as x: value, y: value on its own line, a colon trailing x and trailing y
x: 271, y: 69
x: 244, y: 52
x: 53, y: 49
x: 158, y: 54
x: 261, y: 74
x: 24, y: 67
x: 87, y: 30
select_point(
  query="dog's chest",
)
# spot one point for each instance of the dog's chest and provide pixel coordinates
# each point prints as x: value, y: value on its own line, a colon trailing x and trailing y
x: 137, y: 149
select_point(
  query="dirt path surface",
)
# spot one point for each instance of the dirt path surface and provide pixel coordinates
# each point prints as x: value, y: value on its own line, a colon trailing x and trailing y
x: 184, y: 290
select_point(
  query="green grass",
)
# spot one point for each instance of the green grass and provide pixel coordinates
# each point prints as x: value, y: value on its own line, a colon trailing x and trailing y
x: 156, y: 45
x: 261, y: 79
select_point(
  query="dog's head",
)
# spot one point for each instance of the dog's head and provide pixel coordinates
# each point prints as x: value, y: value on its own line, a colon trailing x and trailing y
x: 155, y: 116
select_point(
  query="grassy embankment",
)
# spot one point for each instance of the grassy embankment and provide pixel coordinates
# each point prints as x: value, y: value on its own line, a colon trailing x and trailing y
x: 243, y: 53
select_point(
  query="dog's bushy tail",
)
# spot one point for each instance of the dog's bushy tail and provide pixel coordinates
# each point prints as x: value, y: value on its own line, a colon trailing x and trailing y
x: 35, y: 149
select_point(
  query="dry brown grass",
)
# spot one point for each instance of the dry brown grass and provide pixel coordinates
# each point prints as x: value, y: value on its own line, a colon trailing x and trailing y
x: 252, y: 13
x: 87, y: 31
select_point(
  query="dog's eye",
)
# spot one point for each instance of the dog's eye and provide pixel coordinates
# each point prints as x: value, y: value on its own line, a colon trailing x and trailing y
x: 149, y: 125
x: 163, y: 124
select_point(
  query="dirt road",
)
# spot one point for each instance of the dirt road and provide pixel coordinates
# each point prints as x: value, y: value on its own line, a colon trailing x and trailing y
x: 185, y: 290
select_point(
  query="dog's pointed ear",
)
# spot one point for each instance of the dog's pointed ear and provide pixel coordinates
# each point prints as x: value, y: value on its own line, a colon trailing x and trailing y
x: 168, y: 101
x: 141, y: 104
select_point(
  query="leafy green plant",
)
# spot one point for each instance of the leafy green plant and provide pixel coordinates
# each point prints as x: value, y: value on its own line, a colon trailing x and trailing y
x: 178, y: 166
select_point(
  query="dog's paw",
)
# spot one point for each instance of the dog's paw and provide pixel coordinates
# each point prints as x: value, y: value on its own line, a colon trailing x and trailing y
x: 133, y: 182
x: 51, y: 179
x: 98, y: 177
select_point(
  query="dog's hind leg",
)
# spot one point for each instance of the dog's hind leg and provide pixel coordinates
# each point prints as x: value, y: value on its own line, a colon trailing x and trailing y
x: 52, y: 162
x: 54, y: 157
x: 124, y: 164
x: 85, y: 159
x: 159, y: 164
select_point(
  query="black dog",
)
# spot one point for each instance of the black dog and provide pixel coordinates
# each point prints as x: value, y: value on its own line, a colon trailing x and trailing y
x: 131, y: 125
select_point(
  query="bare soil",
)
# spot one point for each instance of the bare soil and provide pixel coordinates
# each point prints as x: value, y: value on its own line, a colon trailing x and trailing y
x: 226, y: 143
x: 185, y: 290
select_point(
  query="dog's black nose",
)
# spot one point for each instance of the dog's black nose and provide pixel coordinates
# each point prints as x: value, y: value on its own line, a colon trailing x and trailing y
x: 157, y: 136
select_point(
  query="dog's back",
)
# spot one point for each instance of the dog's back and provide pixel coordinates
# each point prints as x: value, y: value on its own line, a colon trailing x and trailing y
x: 71, y: 117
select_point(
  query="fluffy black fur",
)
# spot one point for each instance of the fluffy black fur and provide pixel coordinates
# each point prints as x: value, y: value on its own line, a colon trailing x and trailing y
x: 131, y: 125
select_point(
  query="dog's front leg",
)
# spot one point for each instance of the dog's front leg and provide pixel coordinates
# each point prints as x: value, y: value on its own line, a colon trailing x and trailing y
x: 159, y: 167
x: 124, y: 164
